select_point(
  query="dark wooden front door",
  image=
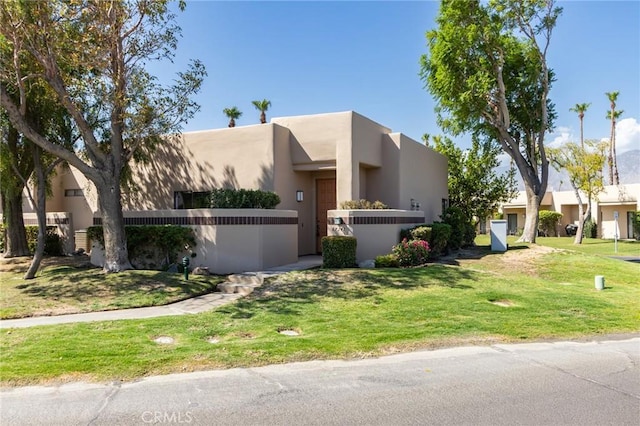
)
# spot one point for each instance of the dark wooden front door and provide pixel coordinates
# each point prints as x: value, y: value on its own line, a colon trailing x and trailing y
x: 325, y: 200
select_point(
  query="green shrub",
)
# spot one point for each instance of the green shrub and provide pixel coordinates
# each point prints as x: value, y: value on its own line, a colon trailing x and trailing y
x: 387, y: 261
x: 548, y: 222
x: 243, y: 199
x: 406, y: 233
x: 152, y: 246
x: 53, y: 245
x: 339, y: 252
x: 421, y: 233
x: 636, y: 225
x: 590, y: 229
x: 463, y: 233
x: 363, y: 205
x: 411, y: 252
x: 436, y: 234
x: 440, y: 234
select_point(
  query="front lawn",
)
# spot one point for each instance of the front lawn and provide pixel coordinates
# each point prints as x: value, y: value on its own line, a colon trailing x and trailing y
x: 72, y: 285
x: 595, y: 246
x: 528, y: 293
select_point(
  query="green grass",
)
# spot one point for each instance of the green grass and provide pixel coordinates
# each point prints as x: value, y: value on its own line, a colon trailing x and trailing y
x: 72, y: 288
x: 595, y: 246
x: 346, y: 314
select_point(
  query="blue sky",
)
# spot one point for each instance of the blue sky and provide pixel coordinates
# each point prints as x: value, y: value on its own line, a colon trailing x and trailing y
x: 318, y: 57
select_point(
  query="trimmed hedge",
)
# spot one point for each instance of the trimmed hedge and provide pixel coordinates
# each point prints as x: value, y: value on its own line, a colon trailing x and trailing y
x: 339, y: 252
x: 152, y: 246
x: 387, y: 261
x: 243, y: 199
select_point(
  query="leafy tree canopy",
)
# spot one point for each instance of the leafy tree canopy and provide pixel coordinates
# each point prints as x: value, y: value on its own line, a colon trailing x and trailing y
x: 92, y: 54
x: 474, y: 185
x: 488, y: 72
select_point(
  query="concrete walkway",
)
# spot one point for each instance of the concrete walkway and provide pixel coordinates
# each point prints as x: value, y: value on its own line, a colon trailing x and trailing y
x: 239, y: 285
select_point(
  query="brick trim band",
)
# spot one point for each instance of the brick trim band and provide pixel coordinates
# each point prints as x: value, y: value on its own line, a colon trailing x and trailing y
x: 378, y: 220
x: 206, y: 220
x: 50, y: 221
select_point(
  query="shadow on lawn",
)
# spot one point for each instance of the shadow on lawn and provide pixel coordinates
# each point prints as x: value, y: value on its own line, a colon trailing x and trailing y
x: 475, y: 252
x: 89, y: 284
x: 288, y: 297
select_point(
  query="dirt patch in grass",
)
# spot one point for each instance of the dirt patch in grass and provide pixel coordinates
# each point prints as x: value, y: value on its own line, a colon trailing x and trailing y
x: 521, y: 258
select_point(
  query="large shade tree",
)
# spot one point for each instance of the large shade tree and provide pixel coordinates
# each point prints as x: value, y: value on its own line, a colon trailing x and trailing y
x: 21, y: 158
x: 51, y: 120
x: 92, y: 54
x: 487, y: 69
x: 16, y: 160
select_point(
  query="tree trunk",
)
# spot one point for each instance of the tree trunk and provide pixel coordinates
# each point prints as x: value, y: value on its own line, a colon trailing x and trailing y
x: 614, y: 160
x: 263, y: 117
x: 530, y: 231
x: 41, y: 213
x: 115, y: 240
x: 15, y: 243
x: 610, y: 157
x: 582, y: 217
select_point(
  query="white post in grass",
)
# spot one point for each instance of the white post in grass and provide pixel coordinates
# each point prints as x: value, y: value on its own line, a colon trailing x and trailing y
x: 615, y: 231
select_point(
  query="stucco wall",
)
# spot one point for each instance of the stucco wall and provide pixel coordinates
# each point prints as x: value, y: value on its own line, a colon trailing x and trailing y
x: 377, y: 231
x: 314, y: 137
x: 285, y: 156
x: 423, y: 177
x: 240, y: 157
x: 230, y: 240
x: 84, y: 207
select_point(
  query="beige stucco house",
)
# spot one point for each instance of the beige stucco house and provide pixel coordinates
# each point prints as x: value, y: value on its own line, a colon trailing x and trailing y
x: 616, y: 200
x: 313, y: 162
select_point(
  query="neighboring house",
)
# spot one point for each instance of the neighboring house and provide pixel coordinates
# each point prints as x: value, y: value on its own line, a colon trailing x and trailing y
x: 312, y: 162
x: 621, y: 201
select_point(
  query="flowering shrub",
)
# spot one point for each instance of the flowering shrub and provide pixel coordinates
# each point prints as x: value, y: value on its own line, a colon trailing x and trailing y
x: 411, y: 252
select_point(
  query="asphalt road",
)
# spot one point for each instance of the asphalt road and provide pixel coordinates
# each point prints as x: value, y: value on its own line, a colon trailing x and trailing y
x: 563, y: 383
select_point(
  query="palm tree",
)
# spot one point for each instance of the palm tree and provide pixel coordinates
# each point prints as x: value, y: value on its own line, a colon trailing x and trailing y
x: 580, y: 109
x: 262, y: 106
x: 232, y: 113
x: 613, y: 115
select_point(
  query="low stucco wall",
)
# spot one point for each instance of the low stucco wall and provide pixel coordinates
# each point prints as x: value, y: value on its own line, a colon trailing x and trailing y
x: 376, y: 230
x: 228, y: 240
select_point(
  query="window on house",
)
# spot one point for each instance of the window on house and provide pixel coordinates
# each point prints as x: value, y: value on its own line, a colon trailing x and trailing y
x: 445, y: 204
x: 190, y: 200
x: 73, y: 193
